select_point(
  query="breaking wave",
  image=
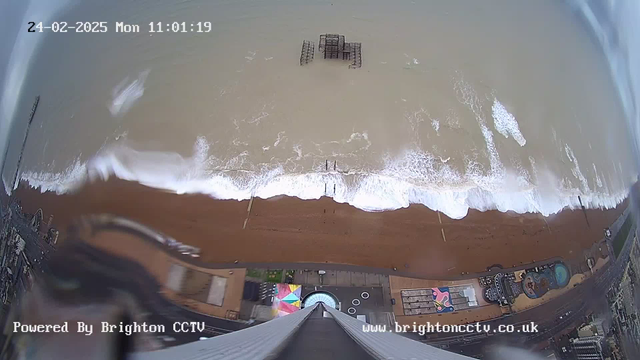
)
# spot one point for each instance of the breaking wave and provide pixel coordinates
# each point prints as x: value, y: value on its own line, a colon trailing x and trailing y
x: 506, y: 123
x: 124, y: 96
x: 413, y: 177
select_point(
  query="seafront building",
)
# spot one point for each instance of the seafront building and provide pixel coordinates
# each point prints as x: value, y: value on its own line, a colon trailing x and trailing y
x: 260, y: 306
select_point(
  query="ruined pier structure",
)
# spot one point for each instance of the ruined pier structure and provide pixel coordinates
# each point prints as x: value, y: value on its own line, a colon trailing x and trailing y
x: 333, y: 46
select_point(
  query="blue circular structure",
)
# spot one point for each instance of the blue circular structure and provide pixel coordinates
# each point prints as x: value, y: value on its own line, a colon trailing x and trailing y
x: 562, y: 274
x: 320, y: 297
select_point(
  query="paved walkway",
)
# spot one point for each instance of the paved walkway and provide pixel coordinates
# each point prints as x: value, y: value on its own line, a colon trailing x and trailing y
x: 322, y: 338
x: 339, y: 278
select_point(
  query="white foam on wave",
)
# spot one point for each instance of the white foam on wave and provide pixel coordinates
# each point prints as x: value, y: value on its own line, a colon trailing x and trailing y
x: 412, y: 177
x: 575, y: 170
x: 467, y: 95
x: 280, y: 138
x: 598, y: 179
x: 435, y: 123
x: 126, y: 93
x: 73, y: 177
x: 505, y: 123
x: 7, y: 187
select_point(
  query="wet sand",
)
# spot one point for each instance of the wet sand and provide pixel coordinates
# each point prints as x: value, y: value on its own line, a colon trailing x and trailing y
x: 292, y: 230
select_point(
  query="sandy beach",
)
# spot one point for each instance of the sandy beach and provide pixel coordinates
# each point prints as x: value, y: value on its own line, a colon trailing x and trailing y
x: 321, y: 231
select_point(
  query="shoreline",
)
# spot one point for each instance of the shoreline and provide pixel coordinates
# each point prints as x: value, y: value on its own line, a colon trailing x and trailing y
x: 290, y: 230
